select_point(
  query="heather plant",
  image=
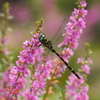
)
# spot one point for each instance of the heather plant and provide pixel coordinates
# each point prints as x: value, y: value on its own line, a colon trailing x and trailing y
x: 36, y: 74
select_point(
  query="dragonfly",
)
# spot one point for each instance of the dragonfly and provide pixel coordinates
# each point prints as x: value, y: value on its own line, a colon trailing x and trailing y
x: 47, y: 43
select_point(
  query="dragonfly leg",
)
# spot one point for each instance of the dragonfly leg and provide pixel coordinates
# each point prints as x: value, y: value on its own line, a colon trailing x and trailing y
x: 38, y: 45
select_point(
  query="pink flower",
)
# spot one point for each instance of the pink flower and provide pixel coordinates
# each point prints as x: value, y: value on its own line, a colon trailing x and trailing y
x: 83, y: 3
x: 89, y: 61
x: 80, y: 60
x: 85, y: 88
x: 67, y: 52
x: 29, y: 95
x: 81, y: 23
x: 82, y: 96
x: 86, y: 69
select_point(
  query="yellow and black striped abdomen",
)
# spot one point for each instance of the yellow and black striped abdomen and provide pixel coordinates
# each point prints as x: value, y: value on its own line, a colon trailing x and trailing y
x: 70, y: 68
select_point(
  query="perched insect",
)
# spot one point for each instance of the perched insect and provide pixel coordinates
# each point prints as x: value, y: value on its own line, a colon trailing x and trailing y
x: 47, y: 43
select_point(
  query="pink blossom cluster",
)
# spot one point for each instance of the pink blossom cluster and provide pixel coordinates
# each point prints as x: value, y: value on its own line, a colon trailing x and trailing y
x: 85, y: 67
x: 73, y: 31
x: 33, y: 56
x: 75, y: 89
x: 74, y: 28
x: 78, y: 89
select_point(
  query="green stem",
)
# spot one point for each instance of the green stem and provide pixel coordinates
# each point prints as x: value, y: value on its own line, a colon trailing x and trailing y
x: 46, y: 92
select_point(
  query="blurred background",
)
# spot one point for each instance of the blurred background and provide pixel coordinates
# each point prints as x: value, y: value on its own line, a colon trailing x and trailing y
x: 26, y: 12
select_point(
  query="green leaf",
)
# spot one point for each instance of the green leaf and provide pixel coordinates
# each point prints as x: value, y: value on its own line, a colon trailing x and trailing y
x: 57, y: 86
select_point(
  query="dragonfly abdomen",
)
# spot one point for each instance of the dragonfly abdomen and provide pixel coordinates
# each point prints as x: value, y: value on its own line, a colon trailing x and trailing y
x: 71, y: 69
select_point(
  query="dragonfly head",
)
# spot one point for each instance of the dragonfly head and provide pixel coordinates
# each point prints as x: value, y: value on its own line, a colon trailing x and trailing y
x: 42, y: 37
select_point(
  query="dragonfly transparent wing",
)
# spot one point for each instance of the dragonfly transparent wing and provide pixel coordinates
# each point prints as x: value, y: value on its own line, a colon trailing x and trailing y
x: 59, y: 32
x: 57, y: 38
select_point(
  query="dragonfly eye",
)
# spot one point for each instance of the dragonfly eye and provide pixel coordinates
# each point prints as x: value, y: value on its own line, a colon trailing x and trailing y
x: 43, y: 36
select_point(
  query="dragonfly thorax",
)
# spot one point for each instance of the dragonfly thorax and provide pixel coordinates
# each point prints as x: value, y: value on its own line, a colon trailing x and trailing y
x: 41, y: 37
